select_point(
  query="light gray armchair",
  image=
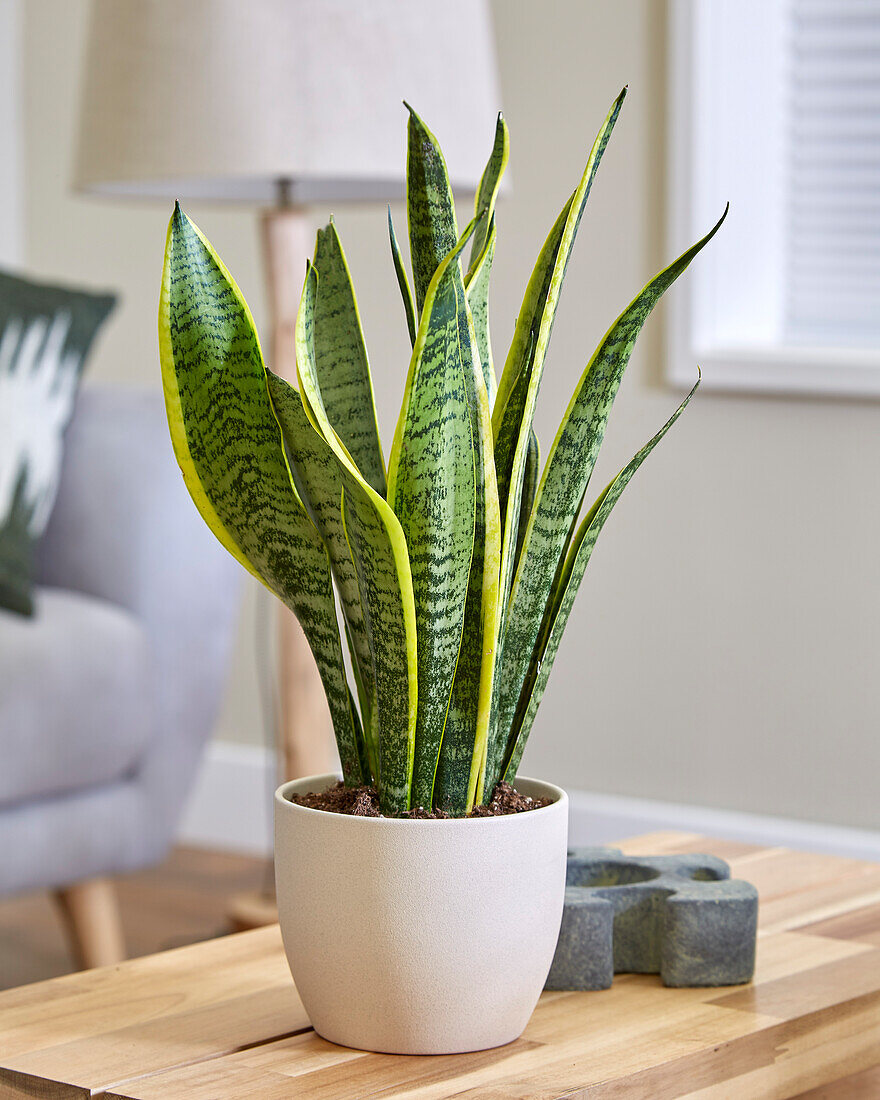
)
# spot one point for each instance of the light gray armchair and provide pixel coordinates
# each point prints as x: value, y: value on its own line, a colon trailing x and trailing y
x: 109, y: 693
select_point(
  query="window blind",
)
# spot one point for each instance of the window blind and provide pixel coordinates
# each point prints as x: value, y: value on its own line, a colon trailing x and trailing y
x: 832, y: 241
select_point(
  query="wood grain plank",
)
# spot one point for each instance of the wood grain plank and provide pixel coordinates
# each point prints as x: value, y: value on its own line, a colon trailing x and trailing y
x: 779, y: 872
x: 830, y: 899
x: 543, y: 1069
x: 813, y: 1050
x: 861, y: 924
x: 811, y: 1015
x: 677, y: 843
x: 797, y: 952
x: 571, y: 1036
x: 662, y: 842
x: 856, y: 1086
x: 94, y: 1029
x: 810, y: 990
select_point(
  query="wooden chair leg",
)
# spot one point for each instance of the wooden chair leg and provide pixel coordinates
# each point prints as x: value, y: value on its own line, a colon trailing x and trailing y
x: 91, y: 917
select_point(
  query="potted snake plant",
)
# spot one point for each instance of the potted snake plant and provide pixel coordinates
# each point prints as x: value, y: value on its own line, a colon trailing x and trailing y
x: 426, y: 920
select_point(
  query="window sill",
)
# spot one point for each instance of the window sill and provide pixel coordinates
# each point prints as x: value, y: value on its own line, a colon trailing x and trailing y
x: 844, y: 372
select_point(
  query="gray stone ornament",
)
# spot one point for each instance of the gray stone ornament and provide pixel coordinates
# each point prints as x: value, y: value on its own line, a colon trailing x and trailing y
x: 681, y: 917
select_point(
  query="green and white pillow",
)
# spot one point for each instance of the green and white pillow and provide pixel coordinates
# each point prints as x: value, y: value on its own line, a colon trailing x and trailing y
x: 45, y: 334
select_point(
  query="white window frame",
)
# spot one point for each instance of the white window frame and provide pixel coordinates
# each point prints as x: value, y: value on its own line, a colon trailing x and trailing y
x: 712, y: 154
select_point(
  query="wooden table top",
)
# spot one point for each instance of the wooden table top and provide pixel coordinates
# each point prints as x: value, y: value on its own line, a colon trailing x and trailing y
x: 223, y: 1019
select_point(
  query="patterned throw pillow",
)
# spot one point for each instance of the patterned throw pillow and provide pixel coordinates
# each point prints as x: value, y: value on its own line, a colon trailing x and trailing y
x: 45, y: 333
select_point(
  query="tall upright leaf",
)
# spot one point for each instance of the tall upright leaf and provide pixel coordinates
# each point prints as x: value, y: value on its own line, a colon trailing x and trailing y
x: 409, y: 308
x: 483, y: 252
x: 341, y: 355
x: 429, y: 206
x: 518, y: 388
x: 487, y: 193
x: 478, y: 301
x: 565, y: 479
x: 431, y: 487
x: 464, y: 752
x: 378, y: 550
x: 531, y: 474
x: 228, y: 445
x: 514, y: 408
x: 560, y: 608
x: 319, y: 484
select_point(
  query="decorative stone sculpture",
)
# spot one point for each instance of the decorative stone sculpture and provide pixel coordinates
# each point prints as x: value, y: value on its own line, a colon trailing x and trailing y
x: 680, y: 916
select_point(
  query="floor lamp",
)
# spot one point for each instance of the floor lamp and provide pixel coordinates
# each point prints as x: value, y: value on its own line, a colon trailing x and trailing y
x: 283, y: 104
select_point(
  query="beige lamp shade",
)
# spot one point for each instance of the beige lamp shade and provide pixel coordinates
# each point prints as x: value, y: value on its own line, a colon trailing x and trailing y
x: 224, y: 99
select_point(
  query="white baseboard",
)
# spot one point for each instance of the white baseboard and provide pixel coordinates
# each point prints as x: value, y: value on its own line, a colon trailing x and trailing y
x: 231, y: 809
x: 602, y: 818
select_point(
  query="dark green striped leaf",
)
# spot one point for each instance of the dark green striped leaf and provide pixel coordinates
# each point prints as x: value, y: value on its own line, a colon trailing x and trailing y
x: 483, y: 253
x: 378, y: 550
x: 487, y: 192
x: 530, y: 487
x: 521, y: 377
x: 341, y: 355
x: 463, y: 754
x: 402, y: 281
x: 573, y: 572
x: 565, y: 479
x: 431, y: 488
x: 390, y: 618
x: 478, y: 301
x: 430, y: 210
x: 228, y: 445
x: 316, y: 476
x: 514, y: 408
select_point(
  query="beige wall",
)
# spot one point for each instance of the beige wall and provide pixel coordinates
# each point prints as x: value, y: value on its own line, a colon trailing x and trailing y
x: 725, y: 644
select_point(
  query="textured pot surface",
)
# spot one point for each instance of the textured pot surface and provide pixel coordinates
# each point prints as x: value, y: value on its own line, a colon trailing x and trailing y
x: 419, y: 937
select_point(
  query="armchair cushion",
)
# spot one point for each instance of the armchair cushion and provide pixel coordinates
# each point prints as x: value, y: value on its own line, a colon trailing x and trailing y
x: 75, y: 699
x: 45, y: 334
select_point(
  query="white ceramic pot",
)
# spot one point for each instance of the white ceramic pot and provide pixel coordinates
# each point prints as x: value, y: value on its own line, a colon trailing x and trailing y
x: 419, y: 937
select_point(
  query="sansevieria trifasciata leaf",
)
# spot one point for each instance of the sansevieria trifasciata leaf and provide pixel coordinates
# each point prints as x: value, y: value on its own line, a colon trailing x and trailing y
x: 463, y: 755
x: 409, y: 307
x: 431, y: 487
x: 518, y: 388
x: 341, y: 358
x: 483, y: 253
x: 318, y: 480
x: 378, y: 550
x: 563, y: 598
x: 430, y: 208
x: 228, y: 445
x: 487, y: 193
x: 565, y: 479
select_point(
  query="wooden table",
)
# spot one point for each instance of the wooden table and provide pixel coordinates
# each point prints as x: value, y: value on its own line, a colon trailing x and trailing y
x: 222, y: 1019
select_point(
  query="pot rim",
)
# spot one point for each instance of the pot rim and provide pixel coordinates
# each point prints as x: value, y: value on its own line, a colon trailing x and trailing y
x: 560, y: 798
